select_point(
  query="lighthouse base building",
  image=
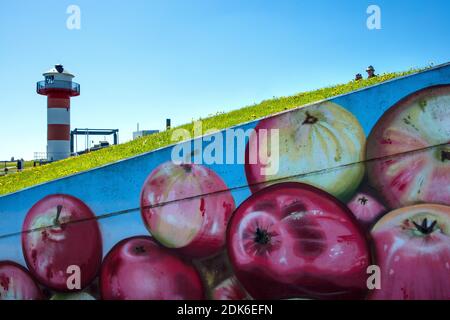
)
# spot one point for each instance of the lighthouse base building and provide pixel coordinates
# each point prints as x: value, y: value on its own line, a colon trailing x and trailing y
x: 59, y: 88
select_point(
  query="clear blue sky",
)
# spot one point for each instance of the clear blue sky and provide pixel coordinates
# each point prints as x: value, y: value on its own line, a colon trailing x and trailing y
x: 145, y: 61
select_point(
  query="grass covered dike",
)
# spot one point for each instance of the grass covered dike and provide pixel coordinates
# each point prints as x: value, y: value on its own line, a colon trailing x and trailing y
x: 73, y: 165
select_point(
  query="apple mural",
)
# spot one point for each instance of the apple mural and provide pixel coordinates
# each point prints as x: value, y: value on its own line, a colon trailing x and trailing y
x: 292, y: 240
x: 140, y: 269
x: 321, y: 145
x: 412, y: 249
x: 16, y: 283
x: 60, y: 231
x: 72, y: 296
x: 214, y: 269
x: 366, y: 207
x: 411, y: 145
x: 218, y: 278
x: 229, y: 289
x: 187, y: 207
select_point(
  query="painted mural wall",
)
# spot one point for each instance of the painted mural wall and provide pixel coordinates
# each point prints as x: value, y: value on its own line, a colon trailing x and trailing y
x: 345, y: 199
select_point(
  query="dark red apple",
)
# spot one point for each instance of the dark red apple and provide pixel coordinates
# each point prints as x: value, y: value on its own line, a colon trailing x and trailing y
x: 16, y: 283
x: 61, y: 231
x: 187, y: 207
x: 412, y: 249
x: 366, y: 207
x: 292, y: 240
x: 411, y: 145
x: 229, y: 289
x: 140, y: 269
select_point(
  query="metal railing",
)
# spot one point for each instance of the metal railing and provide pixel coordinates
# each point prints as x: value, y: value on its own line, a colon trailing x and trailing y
x: 47, y: 156
x: 40, y: 156
x: 43, y: 86
x: 9, y: 167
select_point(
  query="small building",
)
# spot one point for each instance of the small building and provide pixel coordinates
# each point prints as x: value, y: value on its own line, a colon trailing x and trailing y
x: 142, y: 133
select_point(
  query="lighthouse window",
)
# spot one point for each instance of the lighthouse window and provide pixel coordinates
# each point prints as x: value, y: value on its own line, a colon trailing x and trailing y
x: 49, y: 79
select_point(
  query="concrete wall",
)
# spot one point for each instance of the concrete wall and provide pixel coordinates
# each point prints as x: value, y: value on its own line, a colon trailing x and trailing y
x: 379, y: 156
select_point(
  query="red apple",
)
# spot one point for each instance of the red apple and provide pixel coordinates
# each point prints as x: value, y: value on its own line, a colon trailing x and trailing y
x: 187, y: 207
x: 139, y: 269
x: 292, y: 240
x: 61, y: 231
x: 366, y: 207
x: 316, y: 145
x: 229, y: 289
x: 16, y: 283
x: 412, y: 249
x: 411, y: 145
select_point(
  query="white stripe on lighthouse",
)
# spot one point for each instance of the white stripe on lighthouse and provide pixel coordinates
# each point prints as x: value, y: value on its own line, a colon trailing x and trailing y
x: 58, y: 119
x: 58, y: 116
x: 58, y: 149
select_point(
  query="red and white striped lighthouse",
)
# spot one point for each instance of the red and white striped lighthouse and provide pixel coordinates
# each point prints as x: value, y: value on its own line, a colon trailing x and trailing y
x: 58, y: 87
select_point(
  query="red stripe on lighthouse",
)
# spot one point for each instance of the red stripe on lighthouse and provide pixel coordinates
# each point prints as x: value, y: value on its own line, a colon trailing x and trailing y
x: 58, y: 102
x: 58, y: 132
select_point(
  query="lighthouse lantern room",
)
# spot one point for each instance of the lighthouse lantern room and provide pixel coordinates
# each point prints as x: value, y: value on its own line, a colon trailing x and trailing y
x: 59, y: 88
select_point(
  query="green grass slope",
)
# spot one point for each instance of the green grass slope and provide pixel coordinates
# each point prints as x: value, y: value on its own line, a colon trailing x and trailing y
x: 63, y: 168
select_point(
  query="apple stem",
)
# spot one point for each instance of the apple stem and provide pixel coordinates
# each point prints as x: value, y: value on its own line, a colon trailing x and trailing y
x: 139, y: 249
x: 424, y: 227
x: 262, y: 236
x: 187, y: 167
x: 58, y: 213
x: 310, y: 119
x: 363, y: 200
x: 445, y: 155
